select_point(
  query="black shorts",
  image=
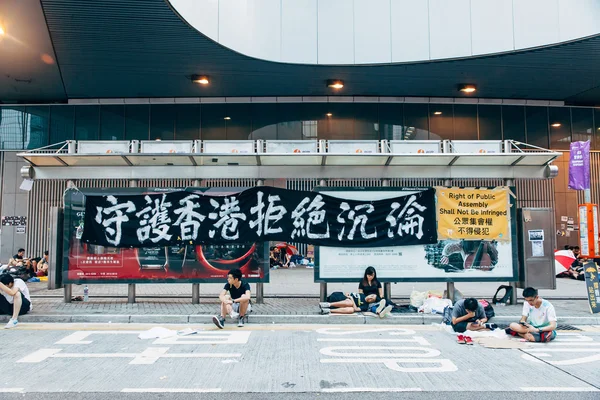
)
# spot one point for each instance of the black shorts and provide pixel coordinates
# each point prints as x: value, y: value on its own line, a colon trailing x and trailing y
x: 460, y: 327
x: 7, y: 308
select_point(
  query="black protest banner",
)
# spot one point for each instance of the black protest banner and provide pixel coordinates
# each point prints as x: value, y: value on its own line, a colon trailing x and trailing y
x: 258, y: 215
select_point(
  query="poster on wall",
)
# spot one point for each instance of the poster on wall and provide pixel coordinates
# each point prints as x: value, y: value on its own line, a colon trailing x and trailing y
x: 468, y: 257
x: 84, y: 262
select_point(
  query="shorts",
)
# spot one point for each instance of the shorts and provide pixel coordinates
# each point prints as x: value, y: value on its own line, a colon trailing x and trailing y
x: 544, y: 336
x: 460, y: 327
x: 7, y: 308
x: 236, y: 307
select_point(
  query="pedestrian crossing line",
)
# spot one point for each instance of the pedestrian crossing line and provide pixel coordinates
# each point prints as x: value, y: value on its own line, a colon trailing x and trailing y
x: 171, y: 390
x: 560, y: 389
x: 362, y: 389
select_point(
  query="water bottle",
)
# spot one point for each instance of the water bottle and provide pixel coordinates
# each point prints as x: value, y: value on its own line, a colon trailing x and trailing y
x: 86, y: 293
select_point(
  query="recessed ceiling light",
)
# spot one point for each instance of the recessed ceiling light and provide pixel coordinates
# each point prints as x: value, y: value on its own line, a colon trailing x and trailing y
x: 227, y: 118
x: 2, y: 31
x: 556, y: 124
x: 201, y: 79
x: 329, y: 114
x: 335, y: 83
x: 467, y: 88
x: 438, y: 113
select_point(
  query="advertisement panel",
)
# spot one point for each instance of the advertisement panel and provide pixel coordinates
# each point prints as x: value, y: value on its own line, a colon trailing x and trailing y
x: 83, y: 262
x: 450, y: 259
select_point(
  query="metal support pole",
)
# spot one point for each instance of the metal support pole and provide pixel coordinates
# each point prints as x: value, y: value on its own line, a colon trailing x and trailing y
x: 587, y: 196
x: 68, y: 292
x: 387, y: 290
x: 195, y: 293
x: 131, y: 293
x: 260, y: 288
x: 323, y: 291
x: 450, y: 291
x: 513, y: 285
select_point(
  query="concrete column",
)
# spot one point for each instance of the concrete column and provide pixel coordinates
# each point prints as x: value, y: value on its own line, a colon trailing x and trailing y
x: 513, y: 296
x: 131, y: 287
x: 323, y: 289
x: 195, y: 293
x: 260, y: 288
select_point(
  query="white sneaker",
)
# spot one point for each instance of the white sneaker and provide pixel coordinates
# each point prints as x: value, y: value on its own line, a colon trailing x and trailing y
x: 380, y: 307
x: 234, y: 315
x: 11, y: 324
x: 386, y: 311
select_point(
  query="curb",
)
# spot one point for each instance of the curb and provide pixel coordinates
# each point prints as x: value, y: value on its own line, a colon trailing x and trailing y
x: 416, y: 319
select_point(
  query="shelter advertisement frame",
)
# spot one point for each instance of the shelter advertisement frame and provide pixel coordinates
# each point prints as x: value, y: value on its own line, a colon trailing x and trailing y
x: 511, y: 250
x: 85, y: 263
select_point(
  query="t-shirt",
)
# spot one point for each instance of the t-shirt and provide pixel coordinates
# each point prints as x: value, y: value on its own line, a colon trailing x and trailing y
x: 18, y: 257
x: 459, y: 310
x: 23, y: 288
x: 236, y: 293
x: 370, y: 289
x: 539, y: 317
x: 359, y: 301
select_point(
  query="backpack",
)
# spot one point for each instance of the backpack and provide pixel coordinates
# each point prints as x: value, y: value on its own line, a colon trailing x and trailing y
x: 487, y: 308
x: 506, y: 298
x: 447, y: 318
x: 335, y: 297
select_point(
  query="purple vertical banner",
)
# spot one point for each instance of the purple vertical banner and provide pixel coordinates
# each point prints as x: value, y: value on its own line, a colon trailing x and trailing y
x: 579, y: 166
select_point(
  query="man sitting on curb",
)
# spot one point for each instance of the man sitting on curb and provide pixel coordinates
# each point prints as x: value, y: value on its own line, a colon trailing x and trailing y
x: 15, y: 299
x: 352, y: 303
x: 541, y: 316
x: 237, y: 303
x: 468, y: 314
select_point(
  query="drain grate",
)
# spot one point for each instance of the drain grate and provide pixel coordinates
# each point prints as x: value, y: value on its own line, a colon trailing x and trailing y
x: 558, y: 327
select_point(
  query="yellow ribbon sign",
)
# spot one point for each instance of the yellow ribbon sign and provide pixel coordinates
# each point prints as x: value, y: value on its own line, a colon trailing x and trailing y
x: 475, y: 214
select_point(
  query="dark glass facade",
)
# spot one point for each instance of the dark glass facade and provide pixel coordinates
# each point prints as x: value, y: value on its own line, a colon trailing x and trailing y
x: 30, y: 127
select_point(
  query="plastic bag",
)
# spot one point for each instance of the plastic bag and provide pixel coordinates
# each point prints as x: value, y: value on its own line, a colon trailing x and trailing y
x: 434, y: 305
x: 417, y: 298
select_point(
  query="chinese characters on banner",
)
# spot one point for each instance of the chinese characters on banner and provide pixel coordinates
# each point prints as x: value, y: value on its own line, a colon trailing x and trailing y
x: 473, y: 214
x: 258, y: 215
x: 579, y: 165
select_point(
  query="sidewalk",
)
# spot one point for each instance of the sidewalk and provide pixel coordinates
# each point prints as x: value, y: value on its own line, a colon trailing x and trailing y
x: 291, y: 297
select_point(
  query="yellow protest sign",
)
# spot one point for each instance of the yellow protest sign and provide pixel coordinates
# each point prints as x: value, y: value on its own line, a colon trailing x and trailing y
x: 473, y: 214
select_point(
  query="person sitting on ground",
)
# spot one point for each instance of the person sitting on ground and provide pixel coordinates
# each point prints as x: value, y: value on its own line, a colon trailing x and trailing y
x: 538, y: 319
x: 15, y: 299
x: 41, y: 264
x: 370, y: 285
x: 469, y: 315
x: 237, y: 303
x: 18, y: 260
x: 352, y: 303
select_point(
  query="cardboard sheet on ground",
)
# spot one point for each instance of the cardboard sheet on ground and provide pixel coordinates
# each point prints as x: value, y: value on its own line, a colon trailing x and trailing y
x: 497, y: 343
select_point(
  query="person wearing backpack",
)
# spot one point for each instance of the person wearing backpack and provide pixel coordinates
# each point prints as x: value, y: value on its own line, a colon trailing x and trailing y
x: 468, y: 314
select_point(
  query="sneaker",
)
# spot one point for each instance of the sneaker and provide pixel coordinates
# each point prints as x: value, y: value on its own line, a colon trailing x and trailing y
x: 380, y: 307
x: 241, y: 322
x: 325, y: 311
x: 219, y: 321
x: 325, y: 305
x: 490, y: 326
x: 234, y: 315
x: 11, y: 323
x: 386, y: 311
x: 468, y: 340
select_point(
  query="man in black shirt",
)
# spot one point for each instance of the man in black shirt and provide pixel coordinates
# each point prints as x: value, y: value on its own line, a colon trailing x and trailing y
x: 235, y: 304
x: 354, y: 302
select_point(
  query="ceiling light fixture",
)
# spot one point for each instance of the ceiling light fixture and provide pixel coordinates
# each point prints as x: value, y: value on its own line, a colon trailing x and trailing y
x: 227, y: 118
x: 467, y: 88
x: 329, y: 114
x: 437, y: 113
x: 335, y: 83
x: 201, y: 79
x: 556, y: 124
x: 2, y: 31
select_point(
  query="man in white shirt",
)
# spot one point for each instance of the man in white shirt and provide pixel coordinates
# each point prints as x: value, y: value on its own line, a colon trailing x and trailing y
x: 538, y: 319
x: 15, y: 299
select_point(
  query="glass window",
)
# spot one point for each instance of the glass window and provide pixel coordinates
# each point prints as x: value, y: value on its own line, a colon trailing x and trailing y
x: 583, y: 124
x: 441, y: 119
x: 112, y: 122
x: 87, y: 122
x: 264, y: 121
x: 37, y: 135
x: 465, y: 122
x: 366, y: 120
x: 187, y: 123
x: 416, y: 121
x: 14, y: 126
x: 559, y: 123
x: 239, y: 122
x: 297, y: 121
x: 391, y: 123
x: 214, y: 125
x: 513, y: 123
x: 490, y: 122
x: 162, y: 121
x: 62, y: 123
x: 536, y: 120
x: 137, y: 122
x: 337, y: 122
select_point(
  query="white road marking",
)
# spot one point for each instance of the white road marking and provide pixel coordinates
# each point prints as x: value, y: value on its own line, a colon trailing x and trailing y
x: 333, y: 351
x: 354, y: 390
x: 208, y: 337
x: 346, y: 331
x: 416, y: 339
x: 77, y: 337
x: 560, y: 389
x: 12, y: 390
x: 39, y: 355
x: 170, y: 390
x: 445, y: 365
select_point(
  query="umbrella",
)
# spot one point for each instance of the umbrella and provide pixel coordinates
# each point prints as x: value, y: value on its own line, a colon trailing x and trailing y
x: 290, y: 249
x: 563, y: 260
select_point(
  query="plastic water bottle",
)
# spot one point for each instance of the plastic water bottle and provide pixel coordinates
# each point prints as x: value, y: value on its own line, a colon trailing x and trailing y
x: 86, y: 293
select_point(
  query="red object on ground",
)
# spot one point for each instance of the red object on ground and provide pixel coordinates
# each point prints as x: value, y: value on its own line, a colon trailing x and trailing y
x: 563, y: 260
x: 290, y: 249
